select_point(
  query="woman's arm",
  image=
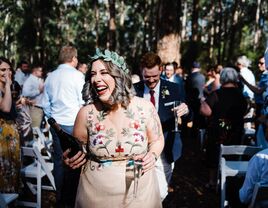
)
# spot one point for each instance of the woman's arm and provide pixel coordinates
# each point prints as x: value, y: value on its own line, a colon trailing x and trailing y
x: 255, y: 89
x: 155, y: 140
x: 6, y: 100
x: 205, y: 110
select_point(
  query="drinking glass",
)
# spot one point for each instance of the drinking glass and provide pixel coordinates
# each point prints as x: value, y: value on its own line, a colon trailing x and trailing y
x: 137, y: 175
x: 176, y: 127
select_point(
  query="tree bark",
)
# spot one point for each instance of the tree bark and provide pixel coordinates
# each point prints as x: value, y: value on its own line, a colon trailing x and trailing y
x: 111, y: 43
x: 168, y: 28
x: 257, y: 35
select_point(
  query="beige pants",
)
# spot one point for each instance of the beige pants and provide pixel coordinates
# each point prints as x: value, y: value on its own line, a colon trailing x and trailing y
x: 164, y: 172
x: 36, y: 116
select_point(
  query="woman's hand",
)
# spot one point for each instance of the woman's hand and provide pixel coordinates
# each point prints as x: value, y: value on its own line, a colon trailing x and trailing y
x: 76, y: 161
x: 148, y: 161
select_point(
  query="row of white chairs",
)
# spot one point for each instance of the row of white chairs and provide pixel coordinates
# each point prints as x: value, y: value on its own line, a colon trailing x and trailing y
x: 40, y: 166
x: 231, y: 168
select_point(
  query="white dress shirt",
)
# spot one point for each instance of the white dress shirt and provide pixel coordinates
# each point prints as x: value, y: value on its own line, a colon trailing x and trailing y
x: 20, y: 77
x: 31, y: 89
x: 248, y: 75
x: 257, y: 172
x: 63, y: 94
x: 147, y: 94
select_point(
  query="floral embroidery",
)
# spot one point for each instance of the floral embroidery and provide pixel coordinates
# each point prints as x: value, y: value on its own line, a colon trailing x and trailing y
x: 104, y: 141
x: 136, y: 127
x: 118, y: 148
x: 99, y: 127
x: 165, y: 92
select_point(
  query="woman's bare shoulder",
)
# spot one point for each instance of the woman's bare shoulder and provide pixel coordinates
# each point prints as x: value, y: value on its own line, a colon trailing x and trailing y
x: 85, y: 109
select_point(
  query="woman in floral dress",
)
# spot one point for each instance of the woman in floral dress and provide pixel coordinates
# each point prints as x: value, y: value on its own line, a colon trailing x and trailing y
x: 123, y: 137
x: 9, y: 137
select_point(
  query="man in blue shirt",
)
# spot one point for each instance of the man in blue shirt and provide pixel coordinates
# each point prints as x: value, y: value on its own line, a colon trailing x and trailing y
x: 257, y: 172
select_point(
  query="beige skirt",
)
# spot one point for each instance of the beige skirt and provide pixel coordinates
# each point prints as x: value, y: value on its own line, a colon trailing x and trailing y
x: 112, y: 185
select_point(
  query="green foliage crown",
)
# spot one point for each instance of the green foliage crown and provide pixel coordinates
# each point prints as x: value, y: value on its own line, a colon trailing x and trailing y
x: 113, y: 57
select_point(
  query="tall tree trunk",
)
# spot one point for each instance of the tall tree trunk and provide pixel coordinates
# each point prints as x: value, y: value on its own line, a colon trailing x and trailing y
x: 97, y: 17
x: 195, y: 15
x: 257, y: 27
x: 184, y: 21
x: 212, y: 21
x: 168, y: 38
x: 233, y: 30
x: 111, y: 43
x: 219, y: 30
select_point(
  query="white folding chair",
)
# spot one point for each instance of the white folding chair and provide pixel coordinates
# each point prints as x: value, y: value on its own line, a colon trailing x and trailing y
x: 42, y: 142
x: 260, y: 196
x: 7, y: 198
x: 38, y: 169
x: 232, y: 168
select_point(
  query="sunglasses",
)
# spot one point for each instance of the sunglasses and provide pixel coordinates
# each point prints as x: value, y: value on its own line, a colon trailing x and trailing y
x: 5, y: 69
x: 261, y: 63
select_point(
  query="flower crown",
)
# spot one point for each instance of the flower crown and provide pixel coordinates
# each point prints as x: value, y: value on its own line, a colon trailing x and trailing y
x: 113, y: 57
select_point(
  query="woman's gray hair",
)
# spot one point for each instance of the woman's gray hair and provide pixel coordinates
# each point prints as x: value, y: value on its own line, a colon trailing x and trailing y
x: 228, y: 75
x: 122, y: 93
x: 244, y: 61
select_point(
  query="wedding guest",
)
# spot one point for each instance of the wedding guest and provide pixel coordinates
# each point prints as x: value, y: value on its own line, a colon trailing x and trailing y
x: 22, y: 72
x: 257, y: 172
x: 9, y: 136
x: 225, y: 109
x: 33, y: 89
x: 163, y: 94
x: 62, y: 100
x: 119, y: 131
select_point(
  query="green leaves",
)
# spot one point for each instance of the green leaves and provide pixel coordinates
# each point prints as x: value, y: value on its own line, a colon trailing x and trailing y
x: 112, y: 57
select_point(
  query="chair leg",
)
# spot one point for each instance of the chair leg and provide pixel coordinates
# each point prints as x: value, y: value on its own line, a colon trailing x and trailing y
x: 223, y: 189
x: 38, y: 195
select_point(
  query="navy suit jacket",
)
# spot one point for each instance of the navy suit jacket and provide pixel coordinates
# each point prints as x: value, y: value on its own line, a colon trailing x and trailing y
x: 173, y: 144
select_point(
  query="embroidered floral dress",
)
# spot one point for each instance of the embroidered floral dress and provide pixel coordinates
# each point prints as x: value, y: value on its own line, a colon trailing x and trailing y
x: 110, y: 178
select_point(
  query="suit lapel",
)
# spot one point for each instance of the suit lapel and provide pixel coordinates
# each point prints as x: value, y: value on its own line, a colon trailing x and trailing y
x: 161, y: 101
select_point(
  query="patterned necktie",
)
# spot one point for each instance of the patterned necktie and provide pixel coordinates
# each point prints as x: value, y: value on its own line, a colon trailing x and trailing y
x: 152, y: 97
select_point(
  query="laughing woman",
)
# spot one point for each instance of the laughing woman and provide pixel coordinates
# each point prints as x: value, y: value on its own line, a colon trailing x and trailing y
x: 9, y: 137
x: 123, y: 138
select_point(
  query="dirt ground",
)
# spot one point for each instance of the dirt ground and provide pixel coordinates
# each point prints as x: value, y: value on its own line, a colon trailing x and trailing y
x: 189, y: 179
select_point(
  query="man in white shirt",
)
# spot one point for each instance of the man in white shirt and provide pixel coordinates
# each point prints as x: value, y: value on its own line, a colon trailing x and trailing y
x: 243, y: 63
x: 22, y: 73
x: 62, y: 101
x: 33, y: 89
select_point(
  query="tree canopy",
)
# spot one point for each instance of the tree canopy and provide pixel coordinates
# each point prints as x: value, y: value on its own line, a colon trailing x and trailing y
x: 212, y: 32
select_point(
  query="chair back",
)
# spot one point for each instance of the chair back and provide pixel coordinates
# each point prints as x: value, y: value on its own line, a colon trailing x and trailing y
x: 42, y: 142
x: 259, y: 196
x: 7, y: 198
x: 34, y: 152
x: 239, y: 150
x: 232, y: 165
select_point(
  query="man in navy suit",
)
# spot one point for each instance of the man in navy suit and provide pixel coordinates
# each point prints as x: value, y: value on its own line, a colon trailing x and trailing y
x: 162, y: 94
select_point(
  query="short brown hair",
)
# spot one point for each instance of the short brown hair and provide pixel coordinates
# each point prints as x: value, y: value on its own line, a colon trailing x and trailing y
x: 66, y: 54
x: 149, y: 60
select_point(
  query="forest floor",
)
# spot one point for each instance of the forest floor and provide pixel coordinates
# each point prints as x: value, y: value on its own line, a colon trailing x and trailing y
x: 189, y: 179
